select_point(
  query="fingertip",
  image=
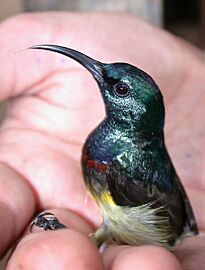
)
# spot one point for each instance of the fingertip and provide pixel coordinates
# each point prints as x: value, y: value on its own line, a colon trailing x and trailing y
x: 141, y: 258
x: 63, y: 249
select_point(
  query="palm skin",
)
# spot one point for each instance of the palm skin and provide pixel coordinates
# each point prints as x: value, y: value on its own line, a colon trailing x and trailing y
x: 55, y: 105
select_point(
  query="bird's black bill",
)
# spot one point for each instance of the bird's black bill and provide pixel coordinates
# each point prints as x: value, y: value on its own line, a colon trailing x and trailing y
x: 90, y: 64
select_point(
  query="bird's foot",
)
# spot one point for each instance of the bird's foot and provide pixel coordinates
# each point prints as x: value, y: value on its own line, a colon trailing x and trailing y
x: 47, y: 221
x: 99, y: 238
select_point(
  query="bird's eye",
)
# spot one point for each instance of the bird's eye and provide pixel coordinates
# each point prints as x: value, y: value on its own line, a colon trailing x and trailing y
x: 122, y: 89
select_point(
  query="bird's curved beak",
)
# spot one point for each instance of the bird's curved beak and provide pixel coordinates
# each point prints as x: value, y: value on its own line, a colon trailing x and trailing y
x: 93, y: 66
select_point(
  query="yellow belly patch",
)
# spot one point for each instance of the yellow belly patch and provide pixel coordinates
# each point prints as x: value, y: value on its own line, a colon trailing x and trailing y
x: 103, y: 198
x: 106, y: 198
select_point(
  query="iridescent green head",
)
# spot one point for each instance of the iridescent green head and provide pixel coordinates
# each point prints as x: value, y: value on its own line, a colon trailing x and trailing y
x: 131, y: 97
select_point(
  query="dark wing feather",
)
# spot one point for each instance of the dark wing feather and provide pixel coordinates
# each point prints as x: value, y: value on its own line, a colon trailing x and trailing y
x: 190, y: 218
x: 133, y: 191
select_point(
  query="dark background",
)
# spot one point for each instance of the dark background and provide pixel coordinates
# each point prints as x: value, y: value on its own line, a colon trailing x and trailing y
x: 186, y: 19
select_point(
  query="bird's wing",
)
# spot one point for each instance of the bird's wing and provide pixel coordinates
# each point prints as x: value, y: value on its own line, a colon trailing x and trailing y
x: 146, y: 183
x: 126, y: 190
x: 191, y: 226
x: 133, y: 191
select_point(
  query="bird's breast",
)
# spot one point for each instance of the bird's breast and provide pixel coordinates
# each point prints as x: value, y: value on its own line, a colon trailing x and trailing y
x: 93, y: 164
x: 94, y: 173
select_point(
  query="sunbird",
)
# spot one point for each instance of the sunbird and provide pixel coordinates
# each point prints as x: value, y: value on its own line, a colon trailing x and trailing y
x: 125, y: 163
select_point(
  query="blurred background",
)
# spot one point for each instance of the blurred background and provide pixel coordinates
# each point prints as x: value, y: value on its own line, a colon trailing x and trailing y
x: 185, y: 18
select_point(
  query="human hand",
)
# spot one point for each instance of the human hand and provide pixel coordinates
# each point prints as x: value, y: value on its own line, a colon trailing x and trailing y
x: 54, y: 103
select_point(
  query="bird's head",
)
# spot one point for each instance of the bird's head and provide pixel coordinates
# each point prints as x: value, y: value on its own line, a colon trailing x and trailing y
x: 132, y: 98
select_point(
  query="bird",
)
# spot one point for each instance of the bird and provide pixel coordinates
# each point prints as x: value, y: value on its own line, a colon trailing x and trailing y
x: 125, y: 162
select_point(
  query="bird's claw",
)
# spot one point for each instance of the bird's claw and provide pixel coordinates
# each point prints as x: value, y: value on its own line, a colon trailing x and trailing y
x: 47, y: 221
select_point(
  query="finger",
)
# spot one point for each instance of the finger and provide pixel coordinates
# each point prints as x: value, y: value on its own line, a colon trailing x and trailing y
x: 62, y: 249
x: 143, y: 257
x: 66, y: 249
x: 191, y: 253
x: 44, y: 161
x: 17, y: 205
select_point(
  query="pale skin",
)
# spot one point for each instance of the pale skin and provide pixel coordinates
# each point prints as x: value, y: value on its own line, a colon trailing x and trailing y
x: 54, y: 103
